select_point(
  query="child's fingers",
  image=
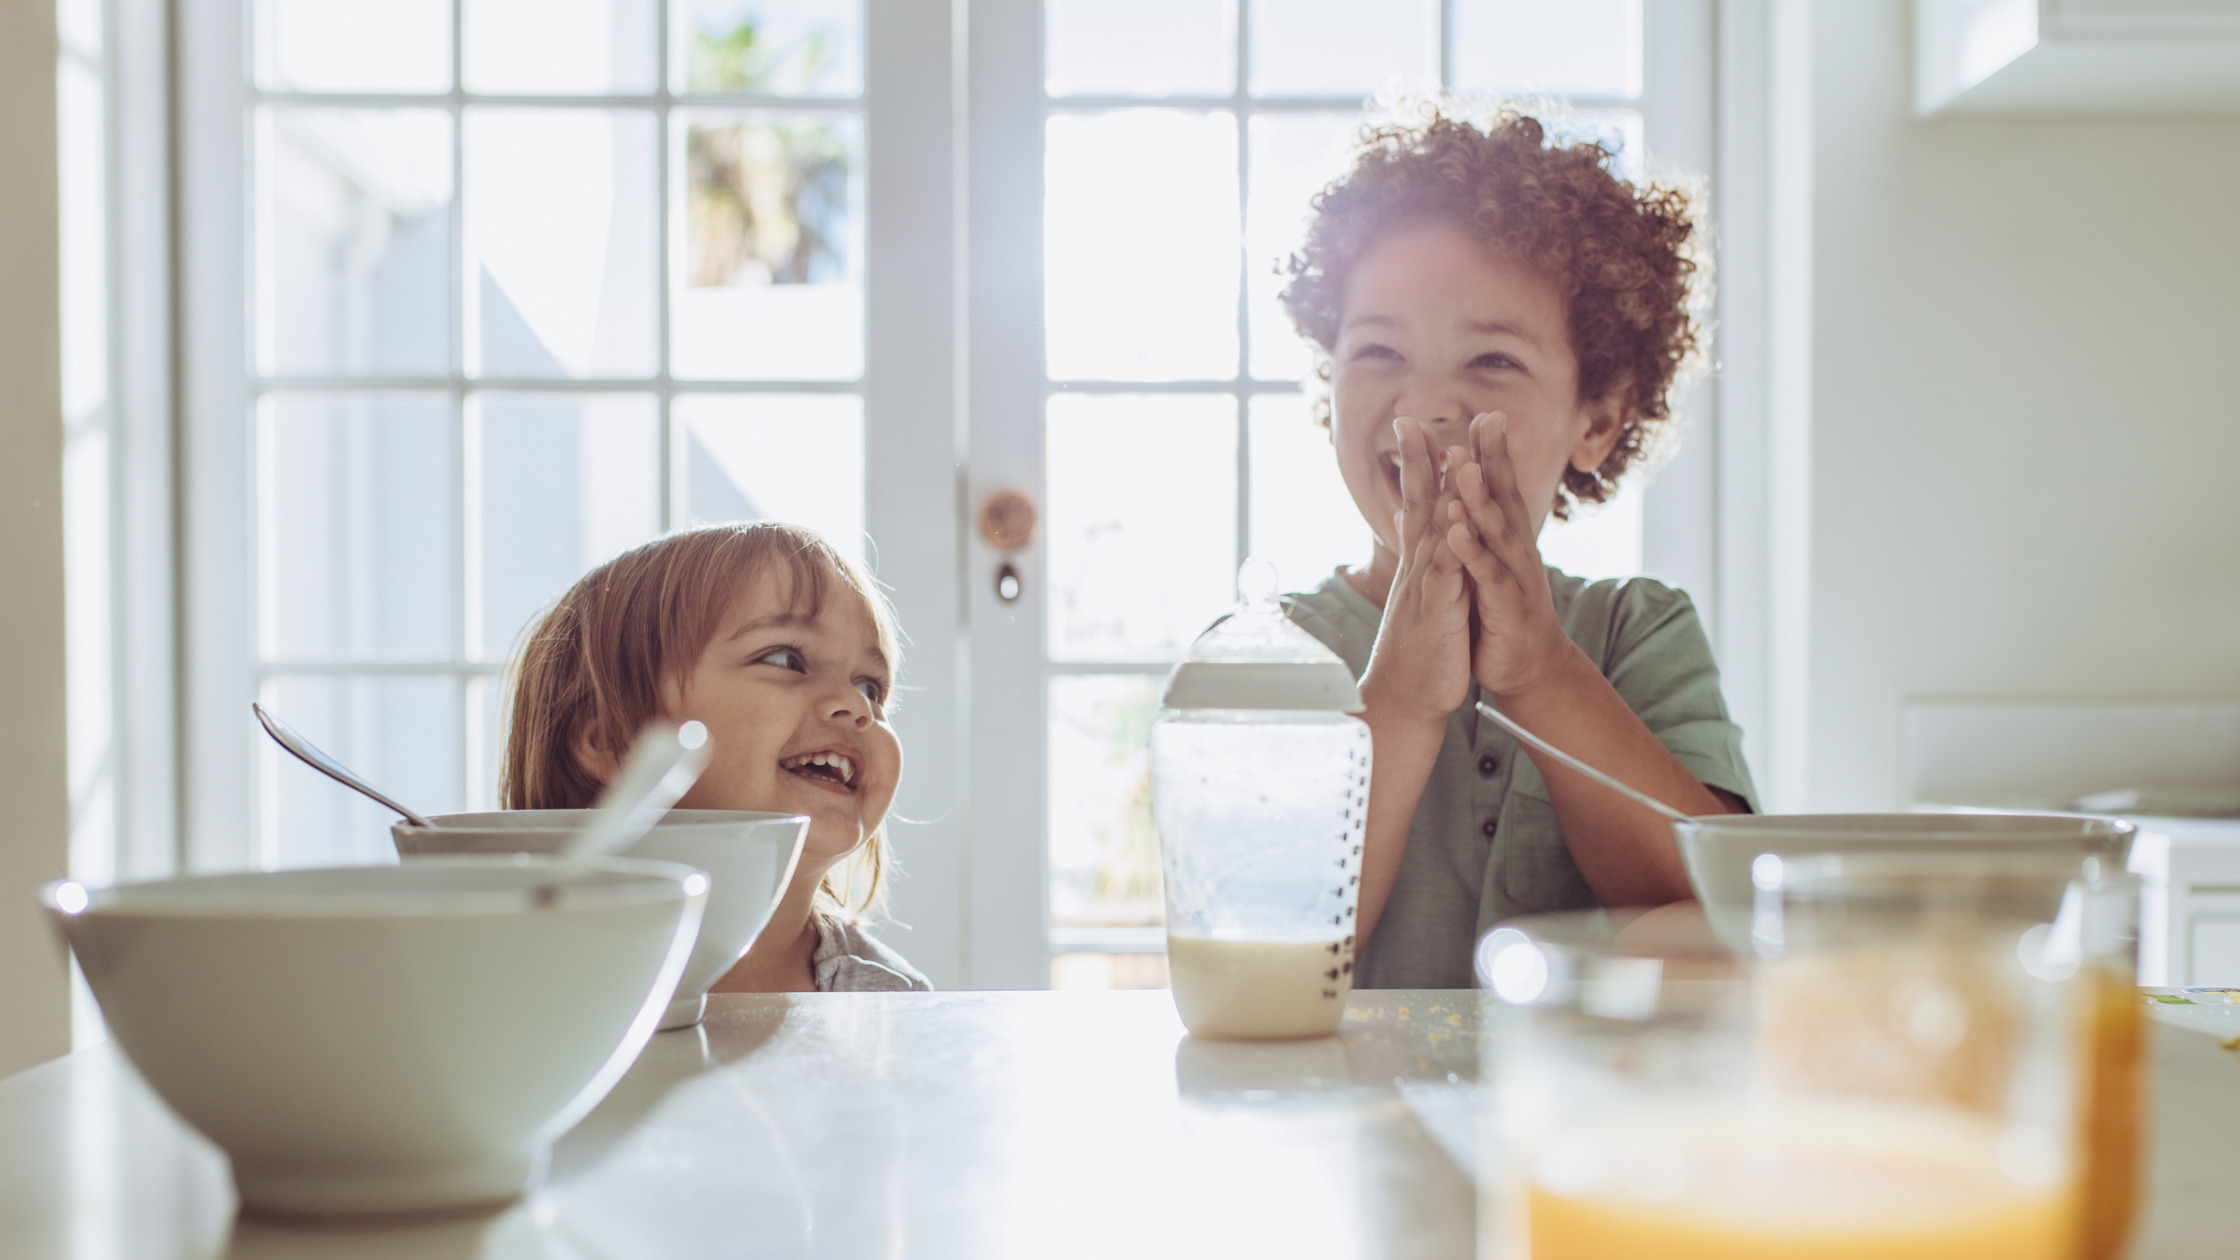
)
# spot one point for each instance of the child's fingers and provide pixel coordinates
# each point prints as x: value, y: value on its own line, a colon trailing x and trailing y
x: 1484, y: 428
x: 1481, y: 565
x: 1514, y: 550
x: 1501, y: 477
x: 1444, y: 561
x: 1477, y: 500
x: 1418, y: 483
x: 1454, y: 459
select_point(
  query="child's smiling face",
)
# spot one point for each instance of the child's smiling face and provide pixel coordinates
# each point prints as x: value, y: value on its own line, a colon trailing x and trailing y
x: 796, y: 708
x: 1440, y: 329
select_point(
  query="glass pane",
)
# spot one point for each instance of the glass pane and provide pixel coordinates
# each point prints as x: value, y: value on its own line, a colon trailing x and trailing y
x: 1303, y: 520
x: 1140, y: 246
x: 357, y: 541
x: 560, y: 256
x: 1141, y: 47
x: 1577, y: 48
x: 83, y: 257
x: 87, y: 734
x: 1143, y: 521
x: 1598, y: 541
x: 486, y: 710
x: 1108, y: 971
x: 556, y: 46
x: 1290, y: 159
x: 778, y: 47
x: 354, y: 242
x: 1343, y: 47
x: 1104, y: 847
x: 77, y: 26
x: 401, y: 732
x: 767, y: 246
x: 783, y: 457
x: 323, y: 46
x: 565, y: 481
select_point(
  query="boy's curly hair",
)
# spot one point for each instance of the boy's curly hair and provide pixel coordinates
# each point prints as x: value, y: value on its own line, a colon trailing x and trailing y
x: 1623, y: 257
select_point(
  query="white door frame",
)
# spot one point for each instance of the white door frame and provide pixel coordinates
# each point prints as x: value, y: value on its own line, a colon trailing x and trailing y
x: 1008, y: 891
x: 217, y: 520
x: 914, y: 453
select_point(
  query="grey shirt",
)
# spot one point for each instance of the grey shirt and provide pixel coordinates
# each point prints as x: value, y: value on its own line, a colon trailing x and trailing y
x: 1485, y: 845
x: 850, y: 959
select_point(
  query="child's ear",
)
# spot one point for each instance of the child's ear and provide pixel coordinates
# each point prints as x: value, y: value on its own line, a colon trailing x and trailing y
x: 1606, y: 420
x: 596, y: 762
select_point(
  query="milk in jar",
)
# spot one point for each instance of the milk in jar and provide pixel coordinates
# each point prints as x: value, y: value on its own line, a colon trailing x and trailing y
x: 1260, y: 785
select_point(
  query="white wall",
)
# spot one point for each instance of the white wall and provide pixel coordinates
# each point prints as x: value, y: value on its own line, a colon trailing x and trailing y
x: 2024, y: 428
x: 34, y: 794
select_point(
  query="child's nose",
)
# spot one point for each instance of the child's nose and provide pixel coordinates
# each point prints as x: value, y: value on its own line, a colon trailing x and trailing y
x: 1446, y: 418
x: 849, y: 705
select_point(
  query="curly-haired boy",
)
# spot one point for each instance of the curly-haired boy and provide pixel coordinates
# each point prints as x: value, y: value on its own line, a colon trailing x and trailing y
x: 1500, y: 319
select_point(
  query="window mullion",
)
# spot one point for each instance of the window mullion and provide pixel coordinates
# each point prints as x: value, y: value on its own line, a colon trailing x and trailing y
x: 1243, y: 117
x: 466, y: 462
x: 664, y: 265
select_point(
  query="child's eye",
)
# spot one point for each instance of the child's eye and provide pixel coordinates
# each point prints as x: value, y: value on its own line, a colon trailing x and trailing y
x: 784, y: 658
x: 872, y: 689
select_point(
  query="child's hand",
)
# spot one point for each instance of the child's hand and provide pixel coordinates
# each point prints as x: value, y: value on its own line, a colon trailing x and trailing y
x: 1489, y: 529
x: 1420, y: 666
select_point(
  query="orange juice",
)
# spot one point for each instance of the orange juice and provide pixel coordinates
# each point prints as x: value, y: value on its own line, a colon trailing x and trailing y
x: 1565, y: 1229
x: 1828, y: 1024
x: 1916, y: 1023
x: 1830, y: 1181
x: 2115, y: 1078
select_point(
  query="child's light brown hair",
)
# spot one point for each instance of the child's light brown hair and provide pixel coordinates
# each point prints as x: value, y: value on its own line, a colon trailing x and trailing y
x: 1626, y: 258
x: 589, y: 673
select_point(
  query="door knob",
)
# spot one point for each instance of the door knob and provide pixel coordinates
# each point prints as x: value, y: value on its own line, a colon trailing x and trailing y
x: 1007, y: 520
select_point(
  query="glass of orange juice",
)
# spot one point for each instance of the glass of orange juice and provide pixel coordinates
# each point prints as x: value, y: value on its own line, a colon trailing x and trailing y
x: 2087, y: 934
x: 1657, y: 1094
x: 2114, y: 1120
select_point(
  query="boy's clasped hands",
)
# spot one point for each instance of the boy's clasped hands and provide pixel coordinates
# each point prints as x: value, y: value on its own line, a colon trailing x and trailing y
x: 1470, y: 598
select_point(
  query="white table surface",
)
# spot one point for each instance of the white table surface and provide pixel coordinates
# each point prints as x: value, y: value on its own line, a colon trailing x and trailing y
x: 954, y: 1125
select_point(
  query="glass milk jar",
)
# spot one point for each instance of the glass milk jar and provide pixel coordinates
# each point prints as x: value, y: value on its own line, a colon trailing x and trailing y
x: 1260, y: 777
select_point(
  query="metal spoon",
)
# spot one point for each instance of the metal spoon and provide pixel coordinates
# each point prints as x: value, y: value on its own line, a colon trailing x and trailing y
x: 1635, y: 795
x: 662, y: 766
x: 311, y: 755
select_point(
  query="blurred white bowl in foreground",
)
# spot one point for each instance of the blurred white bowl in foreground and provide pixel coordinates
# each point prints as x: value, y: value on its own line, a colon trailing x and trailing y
x: 385, y: 1038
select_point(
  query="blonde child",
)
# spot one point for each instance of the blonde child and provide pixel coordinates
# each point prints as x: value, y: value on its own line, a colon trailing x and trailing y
x: 1500, y: 319
x: 785, y: 650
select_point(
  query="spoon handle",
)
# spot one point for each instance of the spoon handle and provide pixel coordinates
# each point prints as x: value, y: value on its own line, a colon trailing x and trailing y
x: 1635, y: 795
x: 311, y: 755
x: 662, y: 766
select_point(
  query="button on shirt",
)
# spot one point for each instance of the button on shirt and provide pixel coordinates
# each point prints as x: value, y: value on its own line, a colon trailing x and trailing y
x: 1485, y: 845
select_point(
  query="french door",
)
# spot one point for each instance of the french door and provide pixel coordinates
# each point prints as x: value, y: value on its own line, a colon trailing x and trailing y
x: 479, y: 292
x: 1143, y: 387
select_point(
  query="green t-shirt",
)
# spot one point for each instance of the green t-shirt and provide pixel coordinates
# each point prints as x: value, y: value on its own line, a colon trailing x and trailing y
x: 1485, y: 845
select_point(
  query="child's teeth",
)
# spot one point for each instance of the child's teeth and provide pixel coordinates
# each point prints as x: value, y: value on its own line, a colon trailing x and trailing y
x: 840, y: 764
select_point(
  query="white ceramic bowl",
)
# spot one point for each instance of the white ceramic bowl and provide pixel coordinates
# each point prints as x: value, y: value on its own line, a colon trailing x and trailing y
x: 385, y: 1038
x: 1718, y: 849
x: 749, y: 858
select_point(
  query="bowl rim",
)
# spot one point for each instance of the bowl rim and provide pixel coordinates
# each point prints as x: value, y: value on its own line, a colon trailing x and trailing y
x: 519, y: 820
x: 2005, y: 827
x: 614, y: 882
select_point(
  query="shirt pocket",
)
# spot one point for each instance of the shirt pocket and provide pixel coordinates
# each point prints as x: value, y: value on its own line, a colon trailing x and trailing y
x: 1535, y: 871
